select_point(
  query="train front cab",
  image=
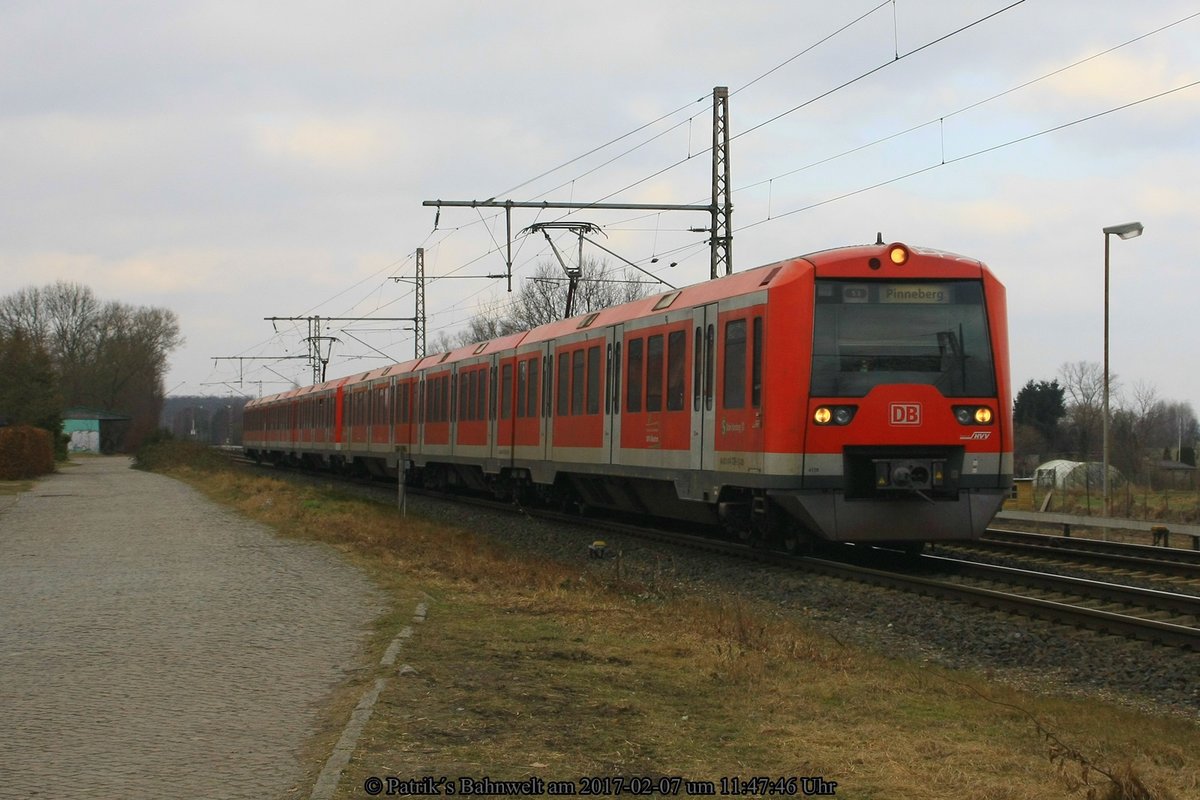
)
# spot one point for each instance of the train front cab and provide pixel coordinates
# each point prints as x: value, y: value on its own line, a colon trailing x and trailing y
x: 907, y: 435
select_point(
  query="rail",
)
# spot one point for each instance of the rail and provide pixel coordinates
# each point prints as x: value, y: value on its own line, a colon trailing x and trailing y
x: 1161, y: 531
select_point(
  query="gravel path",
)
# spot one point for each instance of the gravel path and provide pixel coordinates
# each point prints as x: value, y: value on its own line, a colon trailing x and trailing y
x: 154, y: 644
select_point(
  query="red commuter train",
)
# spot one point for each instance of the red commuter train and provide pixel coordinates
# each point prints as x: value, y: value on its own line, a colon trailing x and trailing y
x: 859, y: 394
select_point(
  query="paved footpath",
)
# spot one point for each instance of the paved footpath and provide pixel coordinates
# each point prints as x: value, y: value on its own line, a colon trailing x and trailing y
x: 154, y: 644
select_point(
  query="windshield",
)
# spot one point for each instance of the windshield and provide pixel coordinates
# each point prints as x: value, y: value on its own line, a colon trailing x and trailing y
x: 869, y: 333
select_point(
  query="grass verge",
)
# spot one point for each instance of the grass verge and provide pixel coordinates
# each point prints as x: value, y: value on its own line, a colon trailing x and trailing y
x: 560, y: 671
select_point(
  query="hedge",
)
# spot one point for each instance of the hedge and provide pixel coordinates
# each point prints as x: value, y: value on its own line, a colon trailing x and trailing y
x: 25, y: 452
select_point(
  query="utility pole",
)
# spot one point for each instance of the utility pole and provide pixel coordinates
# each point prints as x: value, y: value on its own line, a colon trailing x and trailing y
x: 419, y: 318
x: 721, y: 249
x: 720, y: 209
x: 318, y: 360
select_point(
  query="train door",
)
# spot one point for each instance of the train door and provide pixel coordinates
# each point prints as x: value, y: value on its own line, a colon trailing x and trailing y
x: 612, y: 392
x: 704, y: 366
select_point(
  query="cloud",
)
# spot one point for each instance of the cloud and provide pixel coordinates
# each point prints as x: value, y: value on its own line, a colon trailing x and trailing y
x: 328, y: 144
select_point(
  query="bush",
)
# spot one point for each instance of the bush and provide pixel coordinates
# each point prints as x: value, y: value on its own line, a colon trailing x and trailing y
x: 163, y: 452
x: 25, y: 452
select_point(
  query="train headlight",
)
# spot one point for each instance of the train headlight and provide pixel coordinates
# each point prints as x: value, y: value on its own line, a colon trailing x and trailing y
x: 973, y: 415
x: 898, y: 254
x: 836, y: 415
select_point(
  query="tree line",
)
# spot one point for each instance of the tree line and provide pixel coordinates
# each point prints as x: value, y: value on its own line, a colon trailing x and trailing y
x: 1064, y: 418
x: 63, y: 347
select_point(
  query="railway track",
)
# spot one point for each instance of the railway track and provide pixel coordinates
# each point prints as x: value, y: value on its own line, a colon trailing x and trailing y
x: 1166, y: 618
x: 1120, y: 559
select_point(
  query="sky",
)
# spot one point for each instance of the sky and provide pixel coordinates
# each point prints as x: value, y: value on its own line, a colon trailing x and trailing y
x: 234, y: 161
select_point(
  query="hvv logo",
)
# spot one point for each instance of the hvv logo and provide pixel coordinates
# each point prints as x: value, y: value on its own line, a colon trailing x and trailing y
x: 906, y: 414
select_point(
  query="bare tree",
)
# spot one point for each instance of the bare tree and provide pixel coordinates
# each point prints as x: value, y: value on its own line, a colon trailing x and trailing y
x: 543, y: 296
x: 109, y: 356
x: 1083, y: 383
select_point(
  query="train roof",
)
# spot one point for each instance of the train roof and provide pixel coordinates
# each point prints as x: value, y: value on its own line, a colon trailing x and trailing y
x: 711, y: 291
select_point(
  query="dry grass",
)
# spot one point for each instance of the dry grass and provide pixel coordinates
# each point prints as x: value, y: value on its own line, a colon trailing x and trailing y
x: 563, y: 670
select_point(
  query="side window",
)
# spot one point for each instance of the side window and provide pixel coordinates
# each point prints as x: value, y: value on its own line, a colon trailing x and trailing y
x: 522, y: 387
x: 734, y: 394
x: 506, y: 387
x: 710, y: 351
x: 616, y: 383
x: 654, y: 373
x: 577, y: 382
x: 633, y: 377
x: 532, y: 408
x: 756, y: 357
x: 481, y: 394
x: 608, y: 378
x: 492, y: 407
x: 676, y: 369
x: 471, y: 388
x: 593, y: 380
x: 564, y: 384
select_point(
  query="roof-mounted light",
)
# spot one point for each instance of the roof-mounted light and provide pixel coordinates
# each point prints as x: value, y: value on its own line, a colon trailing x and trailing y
x: 898, y: 254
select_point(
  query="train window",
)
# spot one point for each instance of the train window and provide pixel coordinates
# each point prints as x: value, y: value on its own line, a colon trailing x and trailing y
x: 481, y: 395
x: 522, y: 387
x: 547, y: 401
x: 633, y: 396
x: 608, y: 378
x: 734, y: 393
x: 453, y: 397
x: 756, y: 355
x: 492, y: 405
x: 654, y: 372
x: 531, y: 409
x: 593, y: 380
x: 697, y: 362
x: 616, y: 382
x: 676, y: 368
x: 914, y: 332
x: 475, y: 401
x: 564, y: 386
x: 464, y: 396
x: 577, y: 382
x: 506, y: 387
x: 709, y: 365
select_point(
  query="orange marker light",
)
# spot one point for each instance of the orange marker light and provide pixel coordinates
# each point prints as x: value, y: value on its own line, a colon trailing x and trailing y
x: 898, y: 254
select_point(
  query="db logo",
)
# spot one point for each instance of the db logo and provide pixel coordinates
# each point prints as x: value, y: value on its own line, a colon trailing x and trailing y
x: 906, y: 413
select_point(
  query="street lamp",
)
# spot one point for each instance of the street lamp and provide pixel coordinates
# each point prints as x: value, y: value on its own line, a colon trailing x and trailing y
x: 1127, y: 231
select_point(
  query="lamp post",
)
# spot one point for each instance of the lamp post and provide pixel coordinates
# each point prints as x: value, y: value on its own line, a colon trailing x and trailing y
x: 1127, y: 231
